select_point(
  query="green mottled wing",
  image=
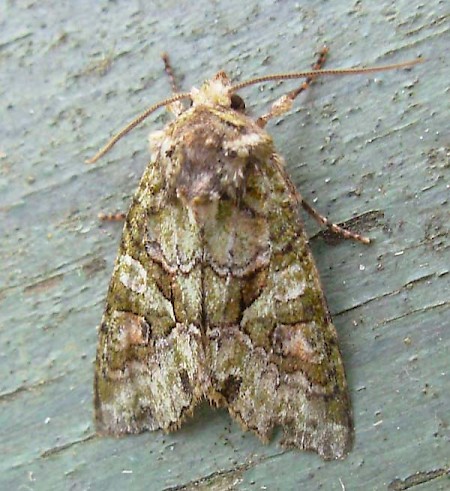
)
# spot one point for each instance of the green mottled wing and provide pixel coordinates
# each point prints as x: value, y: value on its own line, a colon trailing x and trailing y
x: 272, y: 348
x: 150, y: 356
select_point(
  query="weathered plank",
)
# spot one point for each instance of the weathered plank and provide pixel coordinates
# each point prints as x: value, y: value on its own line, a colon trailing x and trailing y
x: 369, y: 147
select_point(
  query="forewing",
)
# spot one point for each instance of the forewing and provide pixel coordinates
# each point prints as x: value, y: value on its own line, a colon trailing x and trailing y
x: 150, y: 360
x: 272, y: 346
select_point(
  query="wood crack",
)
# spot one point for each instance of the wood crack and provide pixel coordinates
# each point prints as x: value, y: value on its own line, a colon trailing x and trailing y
x: 225, y: 479
x: 417, y: 479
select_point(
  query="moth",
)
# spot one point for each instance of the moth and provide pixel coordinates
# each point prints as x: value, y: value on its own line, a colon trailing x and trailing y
x: 215, y: 294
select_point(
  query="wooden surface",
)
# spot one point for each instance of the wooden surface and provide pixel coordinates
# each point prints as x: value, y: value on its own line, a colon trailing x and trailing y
x: 72, y: 73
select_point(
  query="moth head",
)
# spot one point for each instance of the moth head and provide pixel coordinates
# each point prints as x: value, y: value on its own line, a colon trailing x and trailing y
x: 216, y: 92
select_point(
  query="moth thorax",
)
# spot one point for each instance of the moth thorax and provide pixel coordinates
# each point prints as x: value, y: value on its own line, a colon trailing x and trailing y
x: 208, y: 174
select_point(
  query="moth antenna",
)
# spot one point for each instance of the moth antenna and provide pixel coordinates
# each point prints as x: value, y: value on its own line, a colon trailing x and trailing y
x: 134, y: 123
x: 319, y: 73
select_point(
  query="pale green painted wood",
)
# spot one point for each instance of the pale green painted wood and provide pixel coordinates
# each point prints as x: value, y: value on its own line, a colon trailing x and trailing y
x: 73, y: 73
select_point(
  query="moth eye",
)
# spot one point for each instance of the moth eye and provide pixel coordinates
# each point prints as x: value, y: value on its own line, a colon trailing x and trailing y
x: 237, y: 102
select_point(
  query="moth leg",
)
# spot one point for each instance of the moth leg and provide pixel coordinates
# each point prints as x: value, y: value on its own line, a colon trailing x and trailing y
x: 176, y: 108
x: 284, y: 103
x: 318, y: 65
x: 169, y: 71
x: 323, y: 220
x: 112, y: 217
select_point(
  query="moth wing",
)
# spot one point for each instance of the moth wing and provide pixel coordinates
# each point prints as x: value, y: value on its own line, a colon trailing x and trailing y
x: 150, y: 359
x: 272, y: 348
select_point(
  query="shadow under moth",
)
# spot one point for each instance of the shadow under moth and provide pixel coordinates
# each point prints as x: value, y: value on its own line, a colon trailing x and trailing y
x: 215, y: 294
